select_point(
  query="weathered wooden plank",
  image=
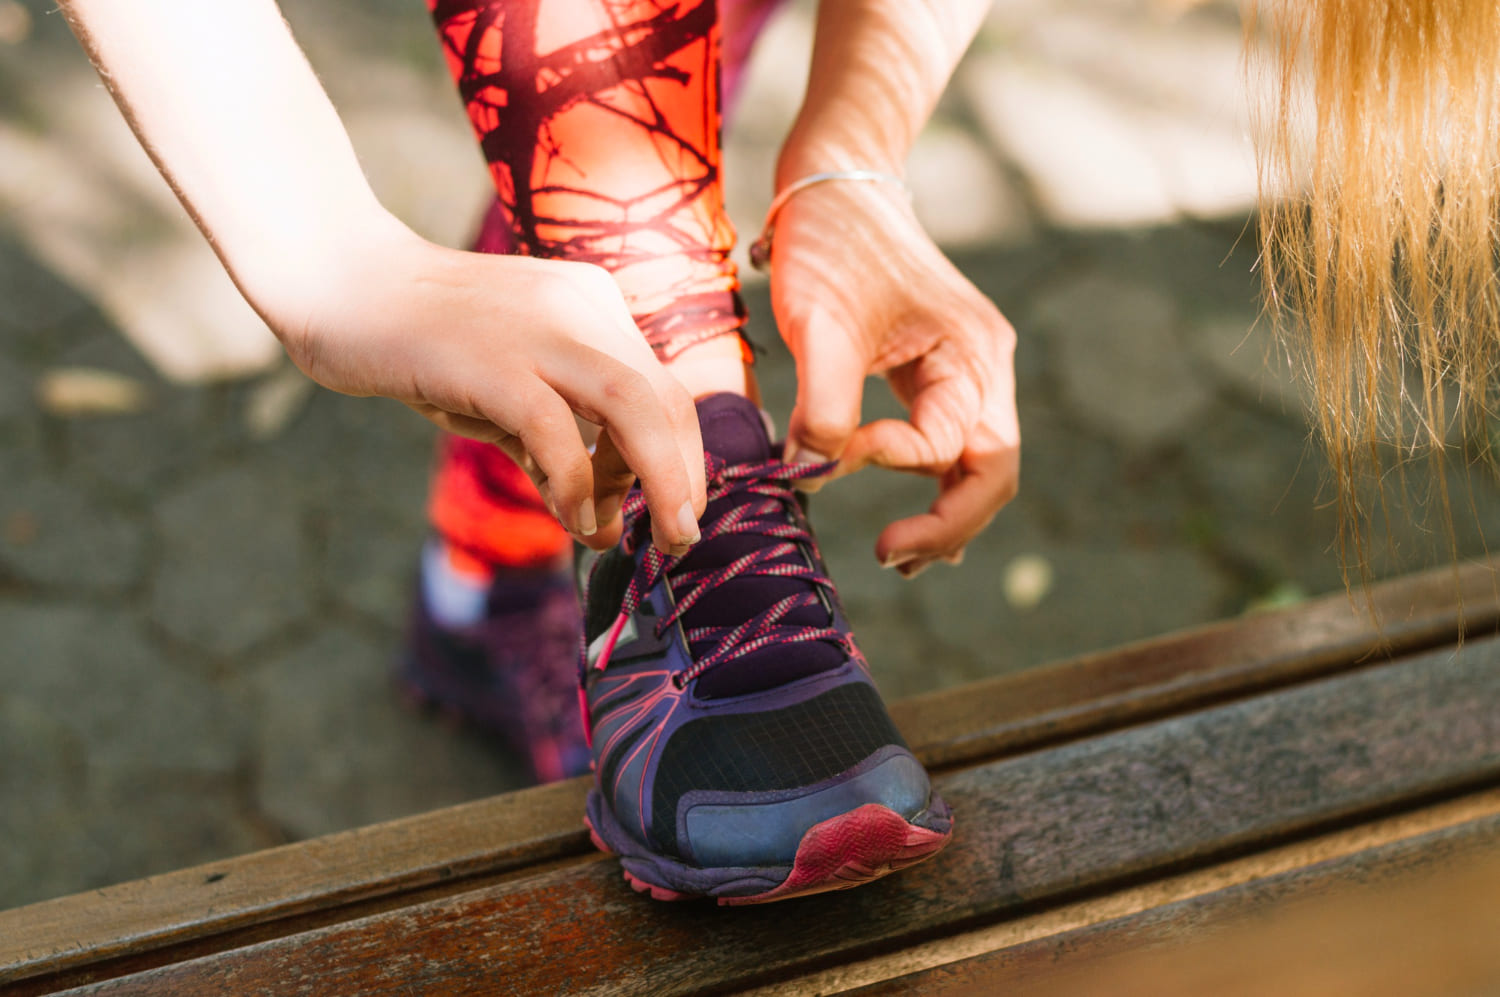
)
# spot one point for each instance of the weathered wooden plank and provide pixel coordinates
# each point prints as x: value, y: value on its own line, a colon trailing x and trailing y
x: 1413, y: 916
x: 511, y: 831
x: 457, y: 845
x: 1034, y: 830
x: 1124, y: 903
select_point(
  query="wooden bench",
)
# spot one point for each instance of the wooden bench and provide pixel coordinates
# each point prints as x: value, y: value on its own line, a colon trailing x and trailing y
x: 1104, y: 805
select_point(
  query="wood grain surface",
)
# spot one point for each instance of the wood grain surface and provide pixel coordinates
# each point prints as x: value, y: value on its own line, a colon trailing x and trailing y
x: 323, y: 880
x: 1035, y: 830
x: 1125, y: 903
x: 1415, y: 916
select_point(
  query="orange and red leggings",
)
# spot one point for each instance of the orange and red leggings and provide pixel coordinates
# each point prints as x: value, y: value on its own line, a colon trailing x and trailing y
x: 600, y: 123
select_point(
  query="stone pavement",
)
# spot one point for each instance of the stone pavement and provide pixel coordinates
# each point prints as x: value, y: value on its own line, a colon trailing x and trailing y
x: 202, y: 587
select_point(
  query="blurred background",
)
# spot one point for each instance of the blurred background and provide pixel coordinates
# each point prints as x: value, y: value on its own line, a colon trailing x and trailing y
x: 205, y: 560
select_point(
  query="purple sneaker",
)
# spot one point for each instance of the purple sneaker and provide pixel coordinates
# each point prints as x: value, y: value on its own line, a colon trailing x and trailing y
x: 740, y: 748
x: 513, y: 673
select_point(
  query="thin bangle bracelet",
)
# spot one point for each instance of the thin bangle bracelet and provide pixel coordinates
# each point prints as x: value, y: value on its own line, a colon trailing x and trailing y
x: 760, y: 249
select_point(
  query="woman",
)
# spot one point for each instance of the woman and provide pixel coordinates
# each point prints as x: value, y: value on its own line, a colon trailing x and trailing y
x: 739, y: 748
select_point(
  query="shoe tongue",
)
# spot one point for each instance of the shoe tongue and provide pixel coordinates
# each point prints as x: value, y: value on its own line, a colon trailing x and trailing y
x: 734, y: 431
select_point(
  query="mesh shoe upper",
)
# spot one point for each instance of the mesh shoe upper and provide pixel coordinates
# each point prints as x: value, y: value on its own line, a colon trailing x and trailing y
x: 729, y: 677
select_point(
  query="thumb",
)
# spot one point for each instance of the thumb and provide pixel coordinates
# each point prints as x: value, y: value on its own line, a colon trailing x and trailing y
x: 830, y: 385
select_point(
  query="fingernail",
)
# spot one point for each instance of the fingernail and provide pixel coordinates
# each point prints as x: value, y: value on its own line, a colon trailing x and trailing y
x: 687, y: 524
x: 896, y: 559
x: 802, y: 455
x: 545, y: 490
x: 609, y: 508
x: 955, y: 558
x: 587, y: 525
x: 910, y: 571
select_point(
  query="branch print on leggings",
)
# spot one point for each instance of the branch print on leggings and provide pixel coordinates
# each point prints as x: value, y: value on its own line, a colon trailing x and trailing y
x: 600, y: 123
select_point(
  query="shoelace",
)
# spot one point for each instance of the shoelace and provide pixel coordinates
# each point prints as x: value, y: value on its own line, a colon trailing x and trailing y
x: 765, y: 515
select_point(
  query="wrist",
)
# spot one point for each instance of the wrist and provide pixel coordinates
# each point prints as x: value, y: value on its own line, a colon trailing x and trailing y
x: 293, y: 278
x: 813, y: 149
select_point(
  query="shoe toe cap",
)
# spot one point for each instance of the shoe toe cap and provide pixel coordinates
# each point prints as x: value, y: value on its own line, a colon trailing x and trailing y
x: 761, y: 829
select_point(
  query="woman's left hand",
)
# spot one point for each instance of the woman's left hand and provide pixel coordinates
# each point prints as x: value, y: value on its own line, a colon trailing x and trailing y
x: 859, y: 288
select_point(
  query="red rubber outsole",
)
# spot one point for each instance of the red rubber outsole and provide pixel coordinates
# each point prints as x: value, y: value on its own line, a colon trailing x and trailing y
x: 842, y: 852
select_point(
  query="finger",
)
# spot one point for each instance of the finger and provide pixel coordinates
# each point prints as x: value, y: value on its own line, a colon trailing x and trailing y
x: 830, y: 389
x: 549, y: 434
x: 970, y: 495
x: 614, y: 337
x: 942, y: 416
x: 466, y: 426
x: 484, y: 431
x: 917, y: 565
x: 613, y: 479
x: 654, y: 427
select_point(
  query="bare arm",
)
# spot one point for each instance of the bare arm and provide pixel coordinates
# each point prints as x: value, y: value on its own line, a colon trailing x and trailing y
x: 878, y: 69
x: 502, y: 349
x: 231, y: 113
x: 859, y: 288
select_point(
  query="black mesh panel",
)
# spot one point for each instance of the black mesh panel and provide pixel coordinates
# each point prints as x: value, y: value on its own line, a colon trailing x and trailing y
x: 763, y: 752
x: 606, y: 591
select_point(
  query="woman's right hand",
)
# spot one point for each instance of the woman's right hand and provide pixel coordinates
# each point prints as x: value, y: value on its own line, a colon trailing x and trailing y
x: 508, y: 349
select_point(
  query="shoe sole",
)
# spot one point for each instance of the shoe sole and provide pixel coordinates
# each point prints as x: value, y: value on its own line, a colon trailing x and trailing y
x: 840, y: 853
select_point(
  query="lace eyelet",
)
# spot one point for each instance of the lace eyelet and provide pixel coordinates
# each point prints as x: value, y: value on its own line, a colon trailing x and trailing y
x: 677, y: 682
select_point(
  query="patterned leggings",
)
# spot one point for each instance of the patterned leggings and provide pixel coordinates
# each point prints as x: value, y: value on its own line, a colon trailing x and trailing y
x: 600, y: 123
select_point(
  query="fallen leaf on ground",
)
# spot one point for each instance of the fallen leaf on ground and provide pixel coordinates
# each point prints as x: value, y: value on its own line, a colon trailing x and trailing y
x: 275, y: 402
x: 72, y: 392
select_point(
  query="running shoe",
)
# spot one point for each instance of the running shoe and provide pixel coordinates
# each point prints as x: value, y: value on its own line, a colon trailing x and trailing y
x: 740, y: 748
x: 513, y: 673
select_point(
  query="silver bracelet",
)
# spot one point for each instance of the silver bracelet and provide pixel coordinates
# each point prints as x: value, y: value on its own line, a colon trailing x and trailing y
x: 760, y: 249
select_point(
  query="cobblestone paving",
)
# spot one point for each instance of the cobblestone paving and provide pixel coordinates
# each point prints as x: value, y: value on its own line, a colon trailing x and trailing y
x: 198, y: 620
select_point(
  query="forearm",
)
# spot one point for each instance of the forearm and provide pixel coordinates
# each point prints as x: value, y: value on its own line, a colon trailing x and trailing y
x: 878, y: 69
x: 229, y: 110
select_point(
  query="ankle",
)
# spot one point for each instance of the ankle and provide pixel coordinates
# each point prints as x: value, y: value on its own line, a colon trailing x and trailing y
x: 714, y: 366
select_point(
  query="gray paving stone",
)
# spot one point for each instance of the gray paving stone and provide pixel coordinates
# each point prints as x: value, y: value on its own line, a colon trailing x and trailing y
x: 15, y: 392
x: 233, y: 566
x: 59, y: 535
x: 1412, y: 530
x: 20, y: 426
x: 37, y: 305
x: 905, y: 658
x: 100, y: 837
x: 1084, y: 488
x: 41, y: 781
x: 192, y: 821
x: 45, y: 760
x: 138, y: 453
x: 1116, y: 355
x: 1262, y: 481
x: 1208, y: 269
x: 1061, y: 131
x: 343, y: 449
x: 371, y: 561
x: 94, y: 672
x: 1243, y: 355
x: 959, y: 192
x: 337, y: 750
x: 1102, y: 594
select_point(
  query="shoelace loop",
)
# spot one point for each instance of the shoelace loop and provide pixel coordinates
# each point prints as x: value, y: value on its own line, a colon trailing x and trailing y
x: 767, y: 486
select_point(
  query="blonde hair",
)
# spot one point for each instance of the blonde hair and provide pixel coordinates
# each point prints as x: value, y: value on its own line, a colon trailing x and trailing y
x: 1379, y: 149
